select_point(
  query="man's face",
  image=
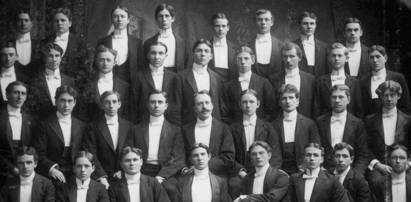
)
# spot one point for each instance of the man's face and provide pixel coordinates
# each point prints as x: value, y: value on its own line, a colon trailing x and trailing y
x: 352, y: 33
x: 17, y: 96
x: 202, y: 54
x: 264, y: 23
x: 157, y: 55
x: 244, y: 62
x: 65, y: 104
x: 337, y: 58
x: 342, y: 160
x: 398, y: 161
x: 131, y: 163
x: 164, y: 19
x: 110, y: 105
x: 290, y: 58
x: 259, y: 156
x: 339, y: 101
x: 377, y: 60
x: 26, y: 165
x: 105, y: 62
x: 307, y: 26
x: 289, y: 102
x: 53, y: 59
x: 390, y: 99
x: 157, y: 104
x: 221, y: 28
x: 83, y: 168
x: 203, y: 106
x: 120, y: 19
x: 8, y: 57
x: 249, y: 104
x: 313, y: 157
x: 199, y: 158
x: 23, y: 23
x: 61, y: 23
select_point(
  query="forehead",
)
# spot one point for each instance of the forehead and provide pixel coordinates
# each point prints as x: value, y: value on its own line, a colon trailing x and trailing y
x: 375, y: 52
x: 131, y: 155
x: 290, y: 52
x: 111, y: 97
x: 8, y: 50
x: 203, y: 46
x: 157, y: 96
x: 288, y: 94
x: 199, y: 151
x: 219, y: 21
x: 105, y: 54
x: 389, y: 92
x: 342, y: 151
x: 202, y: 98
x: 23, y: 16
x: 83, y: 161
x: 312, y: 150
x: 25, y: 157
x: 158, y: 48
x: 399, y: 152
x: 248, y: 96
x: 258, y: 148
x: 243, y: 54
x: 60, y: 16
x: 308, y: 19
x: 353, y: 25
x: 66, y: 96
x: 338, y: 51
x: 164, y: 12
x: 264, y: 15
x: 19, y: 88
x: 338, y: 93
x: 119, y: 11
x: 52, y: 52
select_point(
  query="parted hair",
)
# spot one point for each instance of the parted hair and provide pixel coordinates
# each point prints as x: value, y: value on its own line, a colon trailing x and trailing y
x: 352, y: 20
x: 64, y: 11
x: 263, y: 11
x: 340, y: 87
x: 289, y: 46
x: 27, y: 150
x: 396, y: 147
x: 127, y: 150
x: 306, y: 14
x: 9, y: 44
x: 158, y: 43
x: 202, y: 41
x: 388, y: 85
x: 121, y: 8
x: 168, y: 7
x: 86, y: 155
x: 51, y: 46
x: 15, y: 83
x: 198, y: 145
x: 202, y: 92
x: 339, y: 46
x: 218, y: 16
x: 157, y: 91
x: 108, y: 93
x: 66, y: 89
x: 315, y: 145
x: 260, y: 143
x: 248, y: 91
x: 16, y: 16
x: 288, y: 88
x: 103, y: 49
x: 378, y: 48
x: 343, y: 145
x: 245, y: 49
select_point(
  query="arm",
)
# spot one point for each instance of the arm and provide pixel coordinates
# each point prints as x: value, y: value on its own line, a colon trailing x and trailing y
x: 140, y: 59
x: 363, y: 191
x: 135, y: 110
x: 90, y: 144
x: 49, y: 192
x: 62, y: 195
x: 224, y: 196
x: 225, y: 108
x: 276, y: 193
x: 176, y: 160
x: 225, y: 158
x: 273, y: 141
x: 269, y: 100
x: 160, y: 193
x: 404, y: 104
x: 358, y: 105
x: 103, y: 195
x: 40, y: 143
x: 176, y: 101
x: 361, y: 149
x: 339, y: 193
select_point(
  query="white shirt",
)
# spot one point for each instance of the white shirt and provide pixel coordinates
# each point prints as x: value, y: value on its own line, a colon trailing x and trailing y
x: 389, y: 122
x: 133, y: 185
x: 244, y: 79
x: 65, y: 124
x: 202, y: 131
x: 292, y: 76
x: 16, y: 121
x: 341, y: 176
x: 309, y: 49
x: 258, y: 184
x: 113, y: 127
x: 310, y: 182
x: 82, y: 188
x: 377, y: 79
x: 202, y: 77
x: 399, y: 189
x: 53, y: 80
x: 154, y: 131
x: 26, y: 187
x: 167, y: 37
x: 120, y: 44
x: 8, y: 75
x: 23, y: 48
x: 289, y: 122
x: 337, y: 123
x: 263, y: 47
x: 62, y: 41
x: 338, y: 77
x: 201, y: 188
x: 354, y: 60
x: 249, y: 123
x: 105, y: 82
x: 220, y: 48
x: 158, y: 76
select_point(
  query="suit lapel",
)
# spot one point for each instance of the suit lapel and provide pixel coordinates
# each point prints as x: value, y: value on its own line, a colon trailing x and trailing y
x: 163, y: 136
x: 326, y: 126
x: 367, y: 85
x: 348, y: 81
x: 43, y: 82
x: 179, y: 51
x: 186, y: 195
x: 348, y: 178
x: 96, y: 91
x: 105, y: 131
x: 166, y: 79
x: 327, y: 82
x: 213, y: 135
x: 303, y: 84
x: 15, y: 188
x: 191, y: 80
x: 122, y: 133
x: 240, y: 131
x: 300, y: 187
x: 54, y: 124
x: 213, y: 83
x: 143, y: 188
x: 122, y: 185
x: 377, y: 121
x: 215, y: 188
x: 408, y: 186
x: 258, y: 129
x: 73, y: 191
x: 211, y: 64
x: 348, y: 129
x: 399, y: 132
x: 149, y: 78
x: 318, y: 186
x: 36, y: 188
x: 92, y: 193
x: 191, y: 138
x: 145, y: 130
x: 268, y: 177
x: 75, y: 137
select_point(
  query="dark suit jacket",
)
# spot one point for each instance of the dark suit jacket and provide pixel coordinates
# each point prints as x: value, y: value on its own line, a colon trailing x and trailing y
x: 321, y: 62
x: 378, y: 188
x: 232, y: 67
x: 20, y: 76
x: 275, y: 186
x: 68, y: 192
x: 275, y: 61
x: 42, y: 190
x: 183, y: 51
x: 32, y: 68
x: 150, y: 190
x: 142, y: 85
x: 171, y: 146
x: 221, y: 146
x: 305, y: 132
x: 185, y: 87
x: 364, y: 64
x: 231, y: 111
x: 98, y: 140
x: 371, y: 106
x: 263, y: 132
x: 49, y: 142
x: 218, y: 187
x: 308, y: 105
x: 354, y: 134
x: 356, y: 185
x: 326, y: 188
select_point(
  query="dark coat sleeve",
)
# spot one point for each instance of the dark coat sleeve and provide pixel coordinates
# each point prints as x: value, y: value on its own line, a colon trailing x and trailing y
x: 176, y: 160
x: 225, y: 159
x: 40, y: 143
x: 276, y: 193
x: 49, y: 191
x: 361, y: 149
x: 276, y: 153
x: 269, y: 101
x: 89, y: 143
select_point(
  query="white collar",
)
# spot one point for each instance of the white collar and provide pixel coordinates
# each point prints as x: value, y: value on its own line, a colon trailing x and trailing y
x: 166, y: 32
x: 207, y: 121
x: 63, y: 35
x: 389, y: 111
x: 111, y: 118
x: 198, y: 68
x: 245, y: 75
x: 10, y: 70
x: 201, y: 173
x: 262, y: 169
x: 63, y: 117
x: 294, y: 71
x: 340, y: 115
x: 290, y: 114
x: 219, y: 41
x: 83, y: 183
x: 13, y: 109
x: 133, y: 177
x: 159, y: 119
x: 106, y: 76
x: 307, y: 38
x: 50, y: 72
x: 382, y: 72
x: 251, y: 119
x: 313, y: 172
x: 118, y: 32
x: 353, y: 46
x: 339, y: 72
x: 395, y: 176
x: 344, y: 173
x: 24, y: 36
x: 264, y: 36
x: 156, y: 69
x: 27, y: 179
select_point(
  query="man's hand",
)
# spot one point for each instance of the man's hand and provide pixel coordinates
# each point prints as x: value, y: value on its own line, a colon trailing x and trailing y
x: 104, y: 182
x: 16, y: 172
x: 117, y: 175
x: 242, y: 174
x: 160, y: 179
x: 58, y: 175
x: 385, y: 169
x: 187, y: 171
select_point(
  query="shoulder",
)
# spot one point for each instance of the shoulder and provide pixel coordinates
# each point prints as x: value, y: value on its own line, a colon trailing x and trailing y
x: 134, y: 39
x: 321, y: 43
x: 237, y: 125
x: 323, y: 78
x: 324, y: 117
x: 307, y: 75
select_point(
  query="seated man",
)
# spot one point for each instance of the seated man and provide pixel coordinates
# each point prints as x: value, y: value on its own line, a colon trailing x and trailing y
x: 313, y: 184
x: 201, y: 184
x: 266, y: 183
x: 28, y: 186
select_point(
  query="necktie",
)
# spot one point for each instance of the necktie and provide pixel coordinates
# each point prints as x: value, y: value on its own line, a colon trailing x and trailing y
x: 201, y: 72
x: 24, y: 41
x: 335, y: 119
x: 248, y: 123
x: 395, y: 182
x: 335, y: 78
x: 130, y: 182
x: 165, y: 36
x: 219, y: 44
x: 56, y: 77
x: 201, y: 178
x: 118, y: 36
x: 156, y: 124
x: 385, y: 115
x: 79, y: 187
x: 243, y: 79
x: 258, y: 174
x: 111, y: 122
x: 352, y: 50
x: 263, y: 40
x: 26, y: 183
x: 309, y: 176
x: 376, y: 78
x: 202, y: 125
x: 290, y: 76
x: 4, y: 75
x: 14, y: 114
x: 289, y: 119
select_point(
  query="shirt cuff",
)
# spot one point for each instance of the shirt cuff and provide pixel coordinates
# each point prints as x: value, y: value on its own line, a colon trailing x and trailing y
x: 242, y: 170
x: 372, y: 164
x: 52, y: 167
x: 160, y: 178
x: 104, y: 176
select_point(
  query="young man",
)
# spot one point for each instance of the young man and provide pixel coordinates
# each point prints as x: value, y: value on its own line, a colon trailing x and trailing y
x: 338, y: 57
x: 314, y: 184
x: 305, y: 82
x: 314, y: 58
x: 28, y: 186
x: 201, y: 184
x: 266, y: 47
x: 178, y: 51
x: 293, y: 129
x: 341, y: 126
x: 106, y: 137
x: 354, y: 182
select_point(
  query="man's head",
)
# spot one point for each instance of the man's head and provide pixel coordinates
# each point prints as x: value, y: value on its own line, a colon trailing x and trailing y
x: 52, y: 55
x: 157, y: 103
x: 245, y: 58
x: 202, y: 52
x: 249, y: 102
x: 264, y: 20
x: 352, y: 30
x: 8, y: 54
x: 313, y: 155
x: 308, y: 23
x: 260, y: 153
x: 289, y: 97
x: 220, y: 25
x: 120, y: 17
x: 377, y: 57
x: 291, y: 55
x: 389, y: 92
x: 62, y: 20
x: 157, y: 53
x: 340, y: 97
x: 343, y: 156
x: 110, y: 102
x: 26, y: 158
x: 199, y: 155
x: 66, y: 98
x: 338, y: 56
x: 23, y: 22
x: 131, y: 160
x: 398, y: 158
x: 16, y: 93
x: 105, y: 59
x: 84, y: 165
x: 165, y: 16
x: 203, y: 105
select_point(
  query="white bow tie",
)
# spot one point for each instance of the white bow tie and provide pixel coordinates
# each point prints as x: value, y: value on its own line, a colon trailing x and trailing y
x: 112, y: 122
x: 335, y: 119
x: 64, y: 121
x: 307, y: 42
x: 385, y: 115
x: 24, y: 41
x: 201, y: 178
x: 289, y: 119
x: 157, y: 73
x: 248, y: 123
x: 290, y: 76
x: 375, y: 78
x: 26, y: 183
x: 56, y: 77
x: 118, y: 36
x: 82, y: 187
x: 243, y: 79
x: 263, y: 40
x: 105, y: 80
x: 395, y: 182
x: 129, y: 182
x: 309, y: 176
x: 203, y: 125
x: 258, y: 174
x: 4, y: 75
x: 15, y: 114
x: 165, y: 36
x: 60, y: 39
x: 335, y: 78
x: 156, y: 124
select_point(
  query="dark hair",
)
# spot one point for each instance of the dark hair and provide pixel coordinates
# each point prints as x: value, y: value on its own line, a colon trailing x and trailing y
x: 127, y: 150
x: 52, y: 46
x: 288, y: 88
x: 64, y: 11
x: 340, y: 87
x: 66, y: 89
x: 16, y: 17
x: 167, y: 7
x: 396, y: 147
x: 338, y: 46
x: 306, y: 14
x: 157, y: 43
x: 388, y: 85
x: 86, y: 155
x: 248, y: 91
x: 9, y: 44
x: 157, y: 91
x: 103, y: 49
x: 202, y: 92
x: 121, y: 8
x: 198, y: 145
x: 289, y: 46
x: 202, y: 41
x: 108, y: 93
x: 315, y: 145
x: 21, y: 151
x: 15, y: 83
x: 343, y: 145
x: 263, y: 11
x: 245, y: 49
x: 378, y: 48
x: 260, y: 143
x: 218, y: 16
x: 352, y: 20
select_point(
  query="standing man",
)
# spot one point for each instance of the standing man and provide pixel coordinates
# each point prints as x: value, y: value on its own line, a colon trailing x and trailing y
x: 314, y: 58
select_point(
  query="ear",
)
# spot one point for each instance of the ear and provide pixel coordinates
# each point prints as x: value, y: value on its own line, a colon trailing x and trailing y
x: 166, y: 106
x: 258, y: 103
x: 119, y: 104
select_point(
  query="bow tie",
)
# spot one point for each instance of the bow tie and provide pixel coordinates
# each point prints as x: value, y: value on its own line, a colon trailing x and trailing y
x: 104, y: 80
x: 335, y: 119
x: 290, y: 76
x: 258, y: 174
x: 112, y: 122
x: 289, y: 119
x: 60, y: 39
x: 219, y: 44
x: 352, y: 50
x: 376, y: 78
x: 56, y: 77
x: 24, y: 41
x: 130, y: 182
x: 201, y: 178
x: 26, y: 183
x: 165, y: 36
x: 263, y: 40
x: 335, y: 78
x: 64, y: 121
x: 118, y: 36
x: 385, y: 115
x: 201, y: 72
x: 203, y: 125
x: 395, y: 182
x: 243, y: 79
x: 306, y: 42
x: 14, y: 114
x: 156, y: 124
x: 4, y: 75
x: 309, y: 176
x: 157, y: 73
x: 248, y: 123
x: 79, y: 187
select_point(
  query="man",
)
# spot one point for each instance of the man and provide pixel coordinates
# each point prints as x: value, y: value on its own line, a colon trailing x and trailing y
x: 193, y: 80
x: 266, y: 47
x: 396, y: 186
x: 293, y: 129
x: 357, y: 65
x: 59, y: 138
x: 28, y: 186
x: 305, y: 82
x: 314, y: 184
x: 161, y: 142
x: 337, y: 57
x: 201, y: 184
x: 106, y: 137
x: 314, y: 57
x: 178, y: 49
x: 354, y: 182
x: 223, y: 61
x: 156, y: 77
x: 341, y: 126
